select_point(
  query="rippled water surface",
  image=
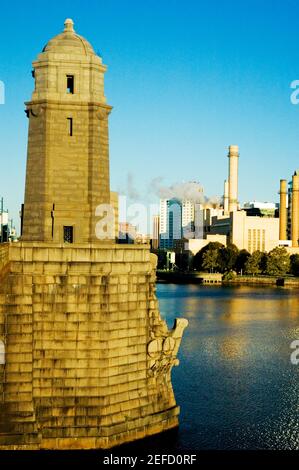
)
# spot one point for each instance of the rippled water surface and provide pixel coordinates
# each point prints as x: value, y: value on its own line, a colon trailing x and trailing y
x: 235, y: 384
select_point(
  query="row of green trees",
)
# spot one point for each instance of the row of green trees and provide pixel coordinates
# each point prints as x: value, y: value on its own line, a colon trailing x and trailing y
x: 215, y: 257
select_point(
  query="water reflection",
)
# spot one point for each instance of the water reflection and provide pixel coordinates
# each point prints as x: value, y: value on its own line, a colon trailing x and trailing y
x: 236, y: 385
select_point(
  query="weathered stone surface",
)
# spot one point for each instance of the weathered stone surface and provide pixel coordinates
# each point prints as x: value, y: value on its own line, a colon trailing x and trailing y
x: 77, y: 375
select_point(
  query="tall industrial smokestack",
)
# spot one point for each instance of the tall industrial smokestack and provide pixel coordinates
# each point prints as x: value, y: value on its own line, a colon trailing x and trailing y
x: 295, y: 210
x: 233, y: 156
x: 283, y: 210
x: 226, y: 197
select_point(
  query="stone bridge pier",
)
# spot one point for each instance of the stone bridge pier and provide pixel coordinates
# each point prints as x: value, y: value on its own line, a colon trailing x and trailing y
x: 88, y: 358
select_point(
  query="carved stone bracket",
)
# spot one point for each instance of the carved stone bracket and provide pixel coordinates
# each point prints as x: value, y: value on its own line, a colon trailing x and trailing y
x: 35, y: 111
x: 103, y: 113
x: 162, y: 349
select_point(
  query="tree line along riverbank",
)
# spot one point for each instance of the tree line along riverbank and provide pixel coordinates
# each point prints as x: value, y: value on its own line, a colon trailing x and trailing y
x: 217, y: 264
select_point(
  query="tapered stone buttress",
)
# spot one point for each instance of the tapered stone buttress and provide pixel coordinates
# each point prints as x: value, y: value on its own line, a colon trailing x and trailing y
x: 85, y: 358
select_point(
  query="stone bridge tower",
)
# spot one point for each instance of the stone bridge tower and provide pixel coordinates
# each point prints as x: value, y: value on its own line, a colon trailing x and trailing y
x: 85, y: 359
x: 68, y: 157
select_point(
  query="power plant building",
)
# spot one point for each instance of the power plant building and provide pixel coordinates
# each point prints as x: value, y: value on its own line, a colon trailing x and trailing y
x: 253, y: 228
x: 248, y: 232
x: 289, y: 213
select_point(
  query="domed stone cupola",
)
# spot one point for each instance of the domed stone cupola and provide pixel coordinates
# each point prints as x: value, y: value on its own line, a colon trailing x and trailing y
x: 69, y: 63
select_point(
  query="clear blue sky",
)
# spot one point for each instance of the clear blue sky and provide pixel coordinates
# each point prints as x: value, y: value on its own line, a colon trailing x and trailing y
x: 185, y: 78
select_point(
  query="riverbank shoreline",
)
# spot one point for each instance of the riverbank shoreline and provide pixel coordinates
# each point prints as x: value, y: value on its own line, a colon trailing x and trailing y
x: 263, y: 280
x: 176, y: 277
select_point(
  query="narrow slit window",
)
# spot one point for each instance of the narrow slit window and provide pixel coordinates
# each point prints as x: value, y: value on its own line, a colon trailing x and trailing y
x: 70, y: 84
x: 2, y: 353
x: 70, y: 125
x: 68, y: 234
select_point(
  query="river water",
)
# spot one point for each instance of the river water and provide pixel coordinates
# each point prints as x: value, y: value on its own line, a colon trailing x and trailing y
x: 236, y: 385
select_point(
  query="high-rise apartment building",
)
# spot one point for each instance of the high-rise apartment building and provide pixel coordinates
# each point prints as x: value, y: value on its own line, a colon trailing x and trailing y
x: 170, y: 222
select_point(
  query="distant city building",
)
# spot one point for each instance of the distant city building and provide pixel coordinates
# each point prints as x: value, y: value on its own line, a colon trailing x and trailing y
x: 248, y: 232
x: 142, y: 239
x: 12, y: 234
x: 184, y: 219
x: 4, y: 225
x: 194, y: 245
x: 205, y: 218
x: 262, y: 209
x: 127, y: 233
x: 156, y: 232
x: 170, y: 222
x: 260, y: 205
x: 4, y: 216
x: 188, y: 218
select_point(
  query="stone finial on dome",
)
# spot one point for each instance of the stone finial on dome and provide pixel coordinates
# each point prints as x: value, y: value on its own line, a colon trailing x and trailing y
x: 68, y: 25
x: 68, y: 42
